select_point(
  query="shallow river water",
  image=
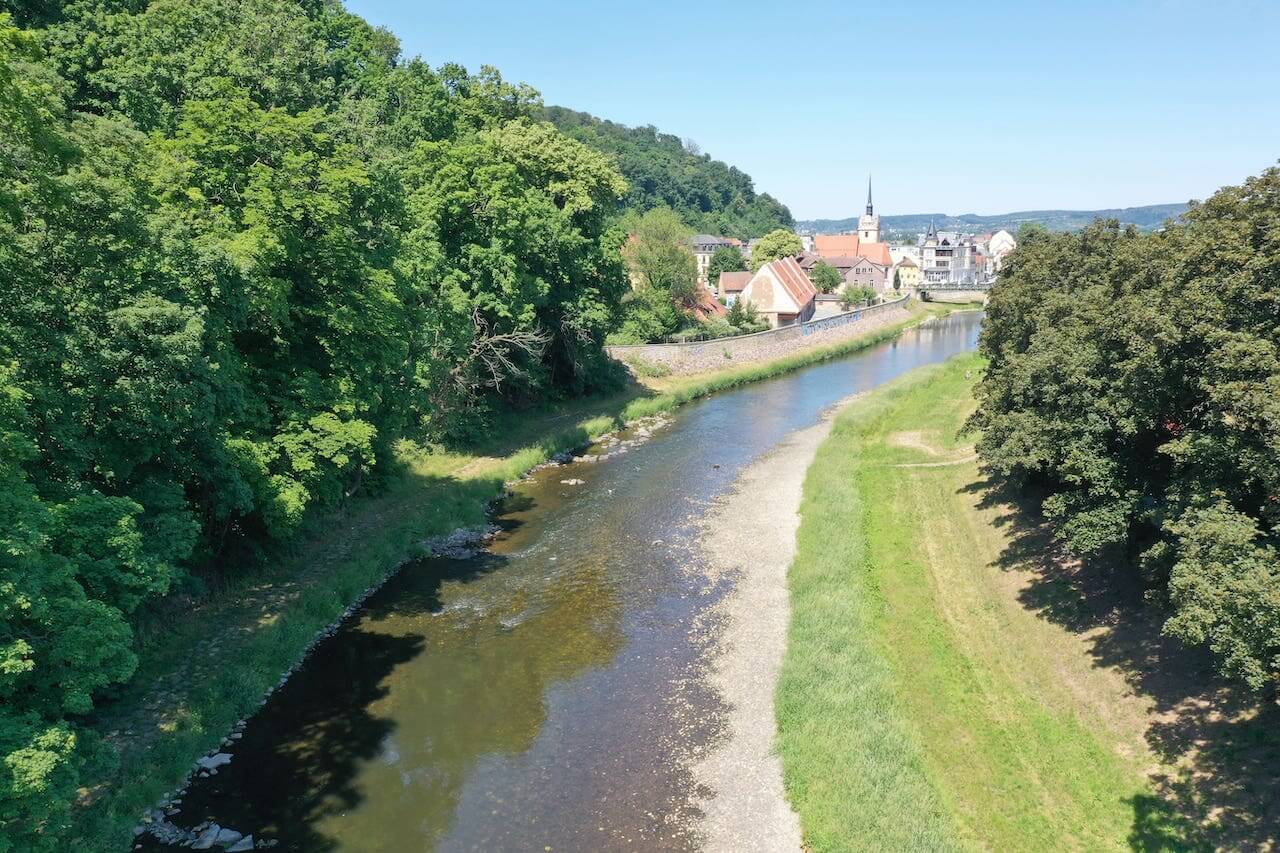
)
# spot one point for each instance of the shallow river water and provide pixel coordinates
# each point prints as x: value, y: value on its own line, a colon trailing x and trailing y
x: 550, y: 695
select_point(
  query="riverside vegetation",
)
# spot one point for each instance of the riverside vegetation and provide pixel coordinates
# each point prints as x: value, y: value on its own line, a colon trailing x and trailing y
x: 253, y: 263
x: 954, y: 680
x: 1068, y: 632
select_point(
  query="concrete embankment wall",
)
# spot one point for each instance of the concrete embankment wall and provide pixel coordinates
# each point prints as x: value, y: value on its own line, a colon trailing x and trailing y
x: 698, y: 356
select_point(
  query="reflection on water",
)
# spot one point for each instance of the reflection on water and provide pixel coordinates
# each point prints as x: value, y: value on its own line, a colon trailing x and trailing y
x: 549, y: 694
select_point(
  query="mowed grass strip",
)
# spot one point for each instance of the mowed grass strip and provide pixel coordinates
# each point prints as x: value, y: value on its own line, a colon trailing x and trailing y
x: 921, y: 707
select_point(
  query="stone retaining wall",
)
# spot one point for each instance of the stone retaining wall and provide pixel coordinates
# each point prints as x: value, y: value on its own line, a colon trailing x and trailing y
x: 698, y: 356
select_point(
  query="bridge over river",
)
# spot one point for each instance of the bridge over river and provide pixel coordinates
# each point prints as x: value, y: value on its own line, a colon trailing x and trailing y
x: 551, y: 693
x: 955, y: 292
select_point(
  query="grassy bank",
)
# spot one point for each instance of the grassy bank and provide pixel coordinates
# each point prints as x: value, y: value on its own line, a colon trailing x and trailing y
x: 925, y: 703
x: 206, y: 662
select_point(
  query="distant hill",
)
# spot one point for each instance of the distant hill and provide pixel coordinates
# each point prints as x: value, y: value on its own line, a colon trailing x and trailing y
x: 709, y: 195
x: 1147, y: 218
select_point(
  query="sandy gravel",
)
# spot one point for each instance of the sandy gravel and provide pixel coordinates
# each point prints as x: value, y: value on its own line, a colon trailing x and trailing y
x: 751, y: 535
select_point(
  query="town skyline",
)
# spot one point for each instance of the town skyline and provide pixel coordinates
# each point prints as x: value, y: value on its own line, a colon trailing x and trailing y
x: 1010, y: 108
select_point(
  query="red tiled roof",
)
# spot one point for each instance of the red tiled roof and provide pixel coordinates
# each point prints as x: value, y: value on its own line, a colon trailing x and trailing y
x: 708, y: 305
x: 907, y: 262
x: 832, y: 246
x: 836, y: 245
x: 733, y: 282
x: 793, y: 279
x: 877, y: 253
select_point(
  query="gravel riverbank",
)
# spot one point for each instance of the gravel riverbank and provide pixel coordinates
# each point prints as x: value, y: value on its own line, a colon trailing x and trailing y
x: 751, y: 536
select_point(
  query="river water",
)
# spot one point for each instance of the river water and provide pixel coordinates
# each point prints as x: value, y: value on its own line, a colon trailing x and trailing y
x: 550, y: 695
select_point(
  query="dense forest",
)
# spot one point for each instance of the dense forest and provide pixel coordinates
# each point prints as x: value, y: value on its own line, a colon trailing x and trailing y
x: 1134, y: 381
x: 663, y: 171
x: 246, y: 249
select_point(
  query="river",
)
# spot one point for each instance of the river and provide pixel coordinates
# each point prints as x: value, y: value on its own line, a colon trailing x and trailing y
x: 551, y: 694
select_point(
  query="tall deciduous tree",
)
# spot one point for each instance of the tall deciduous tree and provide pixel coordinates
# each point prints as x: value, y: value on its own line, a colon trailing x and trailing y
x: 724, y: 259
x: 826, y: 277
x: 1137, y: 378
x: 775, y: 245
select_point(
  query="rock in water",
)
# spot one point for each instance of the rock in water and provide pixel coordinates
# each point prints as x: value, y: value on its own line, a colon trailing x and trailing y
x: 243, y: 844
x: 209, y: 762
x: 227, y: 836
x: 205, y: 841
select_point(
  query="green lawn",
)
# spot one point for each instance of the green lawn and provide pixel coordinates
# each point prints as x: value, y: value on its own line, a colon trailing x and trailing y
x: 921, y: 705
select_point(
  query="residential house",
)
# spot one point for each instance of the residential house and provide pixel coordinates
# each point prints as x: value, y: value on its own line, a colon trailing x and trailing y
x: 901, y: 251
x: 999, y: 247
x: 707, y: 307
x: 947, y: 257
x: 781, y: 292
x: 908, y: 273
x: 859, y: 271
x: 704, y: 246
x: 730, y: 286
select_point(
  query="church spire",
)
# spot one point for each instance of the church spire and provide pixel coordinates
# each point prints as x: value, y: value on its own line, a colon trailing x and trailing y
x: 869, y: 209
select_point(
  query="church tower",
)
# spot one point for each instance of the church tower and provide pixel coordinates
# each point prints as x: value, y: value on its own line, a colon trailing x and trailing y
x: 869, y: 223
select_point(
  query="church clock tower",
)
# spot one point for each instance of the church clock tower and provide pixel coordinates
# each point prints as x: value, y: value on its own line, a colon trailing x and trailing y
x: 869, y: 223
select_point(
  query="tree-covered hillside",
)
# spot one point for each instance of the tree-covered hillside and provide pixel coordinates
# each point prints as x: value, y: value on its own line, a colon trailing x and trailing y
x: 1145, y: 218
x: 246, y: 249
x: 709, y: 195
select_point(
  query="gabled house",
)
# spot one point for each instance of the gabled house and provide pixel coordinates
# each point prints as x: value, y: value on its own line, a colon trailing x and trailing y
x: 781, y: 292
x: 858, y: 271
x: 731, y: 284
x: 909, y: 274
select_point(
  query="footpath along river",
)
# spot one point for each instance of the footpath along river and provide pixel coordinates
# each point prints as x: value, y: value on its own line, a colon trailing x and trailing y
x: 552, y: 693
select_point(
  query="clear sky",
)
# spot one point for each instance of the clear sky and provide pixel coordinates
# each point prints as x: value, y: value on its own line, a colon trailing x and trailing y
x: 954, y: 107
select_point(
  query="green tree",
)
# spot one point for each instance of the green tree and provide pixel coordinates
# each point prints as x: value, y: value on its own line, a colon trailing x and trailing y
x: 244, y: 250
x: 724, y: 259
x: 1135, y: 378
x: 826, y: 277
x: 775, y: 245
x: 852, y: 297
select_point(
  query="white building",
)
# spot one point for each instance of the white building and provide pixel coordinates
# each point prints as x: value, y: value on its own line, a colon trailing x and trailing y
x: 869, y: 223
x: 947, y: 257
x: 782, y: 293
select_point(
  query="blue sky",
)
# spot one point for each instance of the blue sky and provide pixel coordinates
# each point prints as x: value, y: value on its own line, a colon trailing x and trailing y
x: 955, y: 108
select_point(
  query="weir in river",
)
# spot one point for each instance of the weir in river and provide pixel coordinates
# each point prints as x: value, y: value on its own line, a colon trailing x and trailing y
x: 551, y: 693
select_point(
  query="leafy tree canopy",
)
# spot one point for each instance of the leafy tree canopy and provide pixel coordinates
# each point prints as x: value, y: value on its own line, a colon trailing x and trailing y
x: 775, y: 245
x: 664, y: 171
x: 244, y: 249
x: 724, y: 259
x: 1136, y: 378
x: 826, y: 277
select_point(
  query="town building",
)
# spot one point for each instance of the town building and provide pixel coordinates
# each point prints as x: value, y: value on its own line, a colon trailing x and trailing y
x: 899, y: 252
x: 704, y: 246
x: 857, y: 271
x: 947, y: 257
x: 781, y: 292
x: 730, y: 286
x: 908, y: 273
x: 999, y: 247
x: 869, y: 223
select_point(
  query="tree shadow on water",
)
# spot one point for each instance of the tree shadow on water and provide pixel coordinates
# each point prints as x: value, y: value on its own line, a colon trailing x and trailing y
x: 1219, y: 787
x: 299, y: 755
